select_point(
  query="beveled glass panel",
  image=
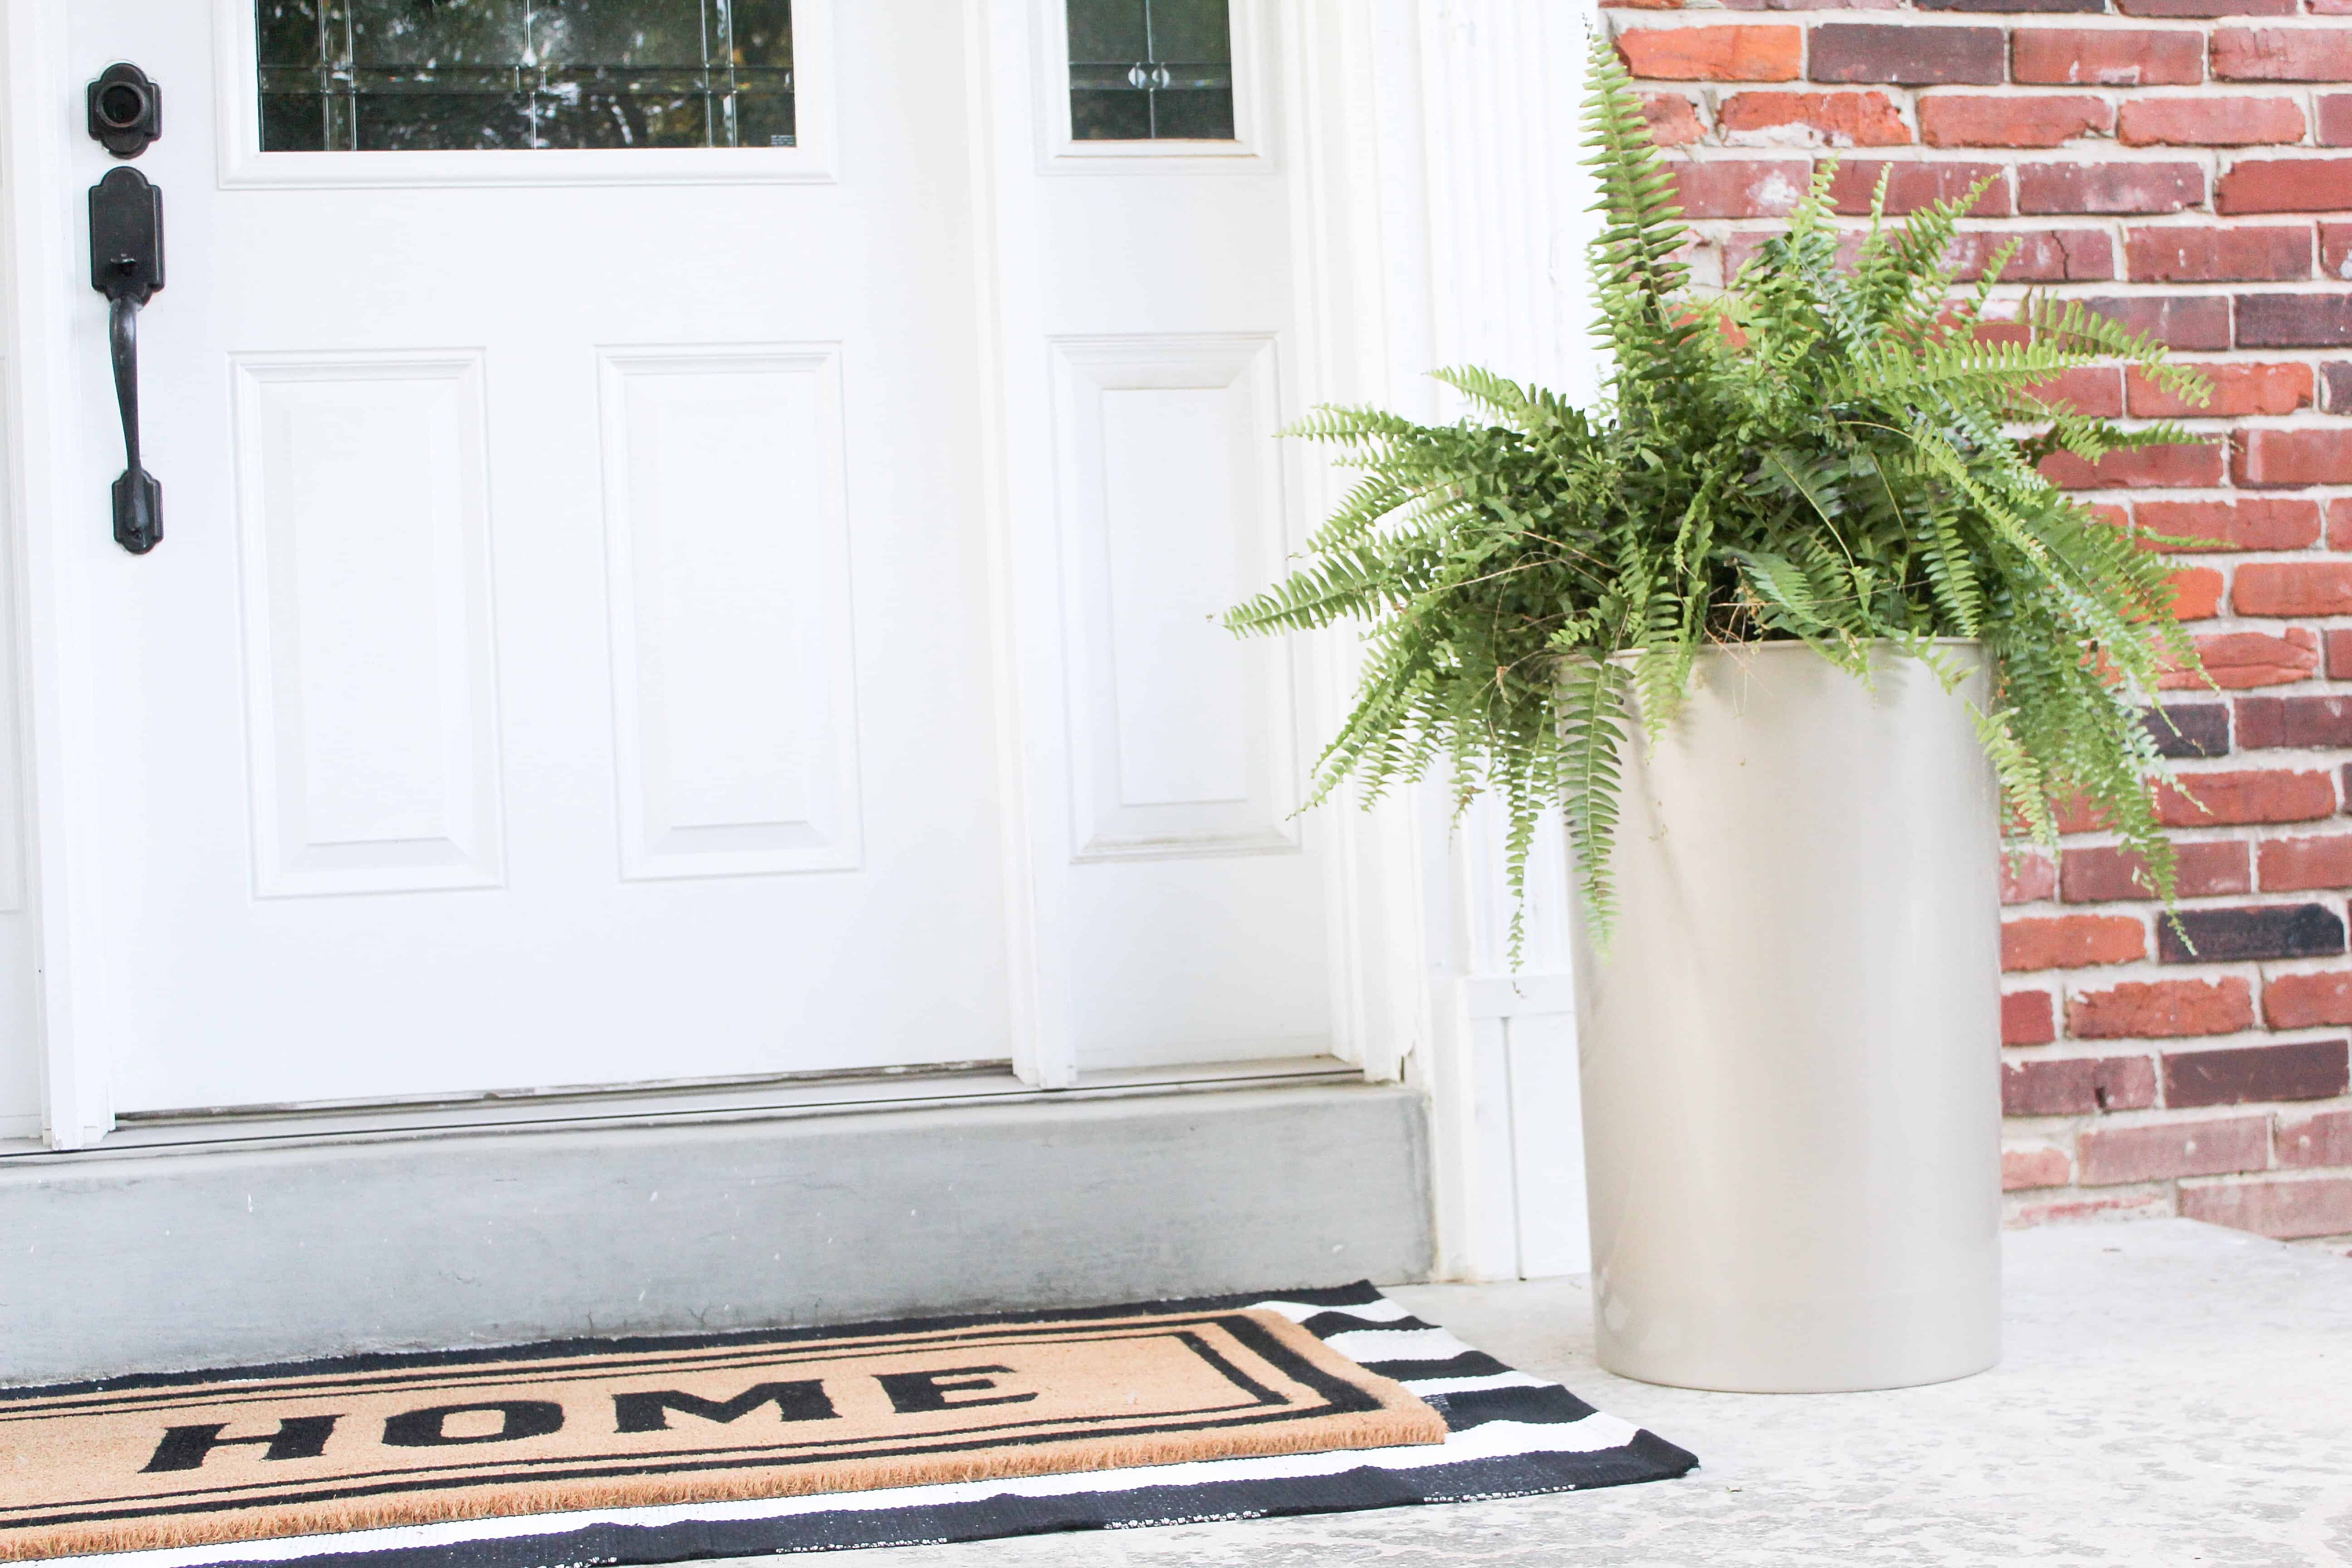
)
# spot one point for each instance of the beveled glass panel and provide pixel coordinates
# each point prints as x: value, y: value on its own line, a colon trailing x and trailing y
x: 387, y: 75
x: 1151, y: 70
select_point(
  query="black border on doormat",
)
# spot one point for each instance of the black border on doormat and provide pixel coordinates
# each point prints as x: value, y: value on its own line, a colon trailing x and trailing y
x: 1508, y: 1435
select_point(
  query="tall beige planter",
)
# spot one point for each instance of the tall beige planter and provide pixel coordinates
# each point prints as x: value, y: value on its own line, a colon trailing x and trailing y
x: 1791, y: 1069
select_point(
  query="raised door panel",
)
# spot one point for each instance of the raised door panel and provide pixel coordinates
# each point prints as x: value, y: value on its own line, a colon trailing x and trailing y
x: 1172, y: 509
x: 727, y: 534
x: 370, y: 685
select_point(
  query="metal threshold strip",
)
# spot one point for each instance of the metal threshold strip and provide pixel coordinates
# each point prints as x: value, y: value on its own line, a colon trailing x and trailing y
x: 739, y: 1099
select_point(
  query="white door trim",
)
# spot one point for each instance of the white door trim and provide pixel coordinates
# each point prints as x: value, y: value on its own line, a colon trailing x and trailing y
x: 38, y: 234
x: 1483, y: 160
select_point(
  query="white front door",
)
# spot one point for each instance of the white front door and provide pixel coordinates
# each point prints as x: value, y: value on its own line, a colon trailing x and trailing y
x: 675, y: 566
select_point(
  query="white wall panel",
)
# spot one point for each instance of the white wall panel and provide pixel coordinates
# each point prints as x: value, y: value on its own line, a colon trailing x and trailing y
x: 734, y: 680
x: 1170, y: 505
x: 20, y: 1031
x: 370, y: 691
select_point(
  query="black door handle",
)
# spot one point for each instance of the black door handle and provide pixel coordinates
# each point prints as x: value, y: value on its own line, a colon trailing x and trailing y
x: 126, y: 265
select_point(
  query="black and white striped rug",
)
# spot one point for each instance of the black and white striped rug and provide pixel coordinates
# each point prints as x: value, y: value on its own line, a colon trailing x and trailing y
x: 1508, y: 1435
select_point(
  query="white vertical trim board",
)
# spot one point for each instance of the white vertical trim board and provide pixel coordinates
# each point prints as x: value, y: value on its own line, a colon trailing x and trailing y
x: 1480, y: 146
x: 41, y: 174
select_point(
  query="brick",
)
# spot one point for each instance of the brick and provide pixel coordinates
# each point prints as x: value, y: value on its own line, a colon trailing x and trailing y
x: 1948, y: 119
x: 2284, y: 185
x: 2301, y: 865
x: 1741, y: 247
x: 1672, y: 119
x: 1911, y: 186
x: 2336, y: 397
x: 2177, y: 321
x: 2294, y: 588
x: 2117, y: 188
x: 2321, y: 1139
x: 2336, y: 251
x: 2266, y: 255
x: 2024, y: 1168
x: 1812, y: 119
x: 2303, y: 722
x: 2027, y: 1019
x: 2190, y: 463
x: 2078, y: 1086
x: 2279, y: 459
x: 2335, y: 117
x: 2051, y: 256
x: 2190, y: 729
x: 2071, y: 941
x: 2077, y: 814
x: 2282, y: 54
x: 2263, y: 522
x: 2294, y: 321
x: 2196, y: 593
x: 1812, y: 4
x: 2307, y: 1001
x: 2253, y: 932
x: 1740, y: 52
x: 2120, y: 56
x: 2313, y: 723
x: 2241, y: 661
x: 2282, y: 1209
x: 1740, y: 188
x: 2162, y: 1008
x: 2339, y: 657
x: 2095, y: 390
x: 2235, y: 390
x: 2111, y: 875
x: 2240, y: 1075
x: 2011, y: 6
x: 2228, y: 799
x: 2027, y: 878
x: 2074, y: 1208
x: 2208, y: 8
x: 1906, y: 57
x: 2262, y: 724
x: 2219, y: 1147
x: 2209, y: 123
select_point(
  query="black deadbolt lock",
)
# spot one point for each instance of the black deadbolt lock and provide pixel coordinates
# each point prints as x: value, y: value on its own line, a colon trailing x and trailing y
x: 126, y: 110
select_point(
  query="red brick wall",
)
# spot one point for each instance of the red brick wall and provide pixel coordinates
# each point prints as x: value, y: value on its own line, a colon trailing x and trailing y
x: 2170, y: 160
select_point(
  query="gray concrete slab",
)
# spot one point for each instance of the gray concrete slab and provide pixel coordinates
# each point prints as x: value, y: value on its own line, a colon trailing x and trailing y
x: 2170, y: 1393
x: 156, y: 1260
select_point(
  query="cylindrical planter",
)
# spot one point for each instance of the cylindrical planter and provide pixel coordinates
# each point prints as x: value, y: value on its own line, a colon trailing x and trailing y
x: 1789, y: 1053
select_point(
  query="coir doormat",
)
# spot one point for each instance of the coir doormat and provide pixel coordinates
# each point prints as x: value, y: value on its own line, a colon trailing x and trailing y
x: 657, y: 1450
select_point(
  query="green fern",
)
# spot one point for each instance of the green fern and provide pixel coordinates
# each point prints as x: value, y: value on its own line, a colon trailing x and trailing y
x: 1822, y: 451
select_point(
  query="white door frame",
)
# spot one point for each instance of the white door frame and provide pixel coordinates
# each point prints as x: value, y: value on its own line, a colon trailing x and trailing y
x: 1489, y: 178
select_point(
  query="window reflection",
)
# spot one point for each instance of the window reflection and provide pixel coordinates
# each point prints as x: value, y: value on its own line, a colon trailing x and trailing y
x: 440, y: 75
x: 1151, y: 70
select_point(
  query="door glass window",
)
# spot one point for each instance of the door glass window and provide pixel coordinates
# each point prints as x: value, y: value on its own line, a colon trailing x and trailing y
x: 1151, y: 70
x: 415, y: 75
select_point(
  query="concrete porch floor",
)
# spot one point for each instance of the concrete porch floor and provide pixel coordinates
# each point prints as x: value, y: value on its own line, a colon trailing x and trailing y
x: 2169, y: 1392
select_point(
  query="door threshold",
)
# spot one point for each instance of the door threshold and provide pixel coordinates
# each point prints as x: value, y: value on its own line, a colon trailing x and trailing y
x: 817, y: 1094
